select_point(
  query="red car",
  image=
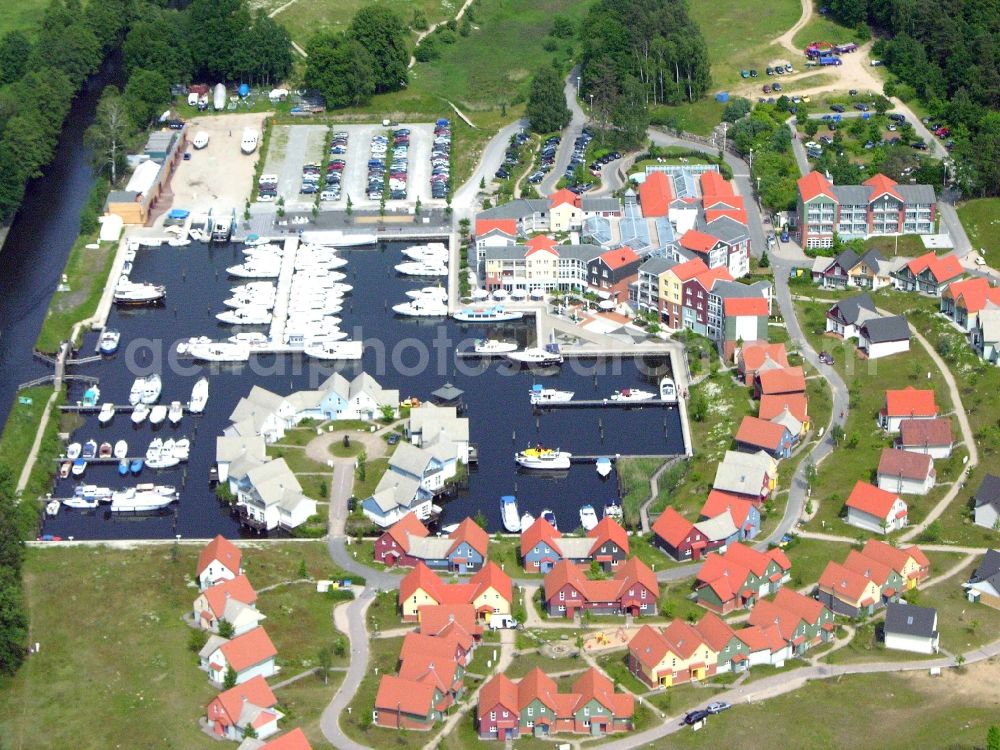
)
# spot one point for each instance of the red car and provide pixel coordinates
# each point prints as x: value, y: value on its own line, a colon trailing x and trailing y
x: 942, y: 132
x: 767, y: 89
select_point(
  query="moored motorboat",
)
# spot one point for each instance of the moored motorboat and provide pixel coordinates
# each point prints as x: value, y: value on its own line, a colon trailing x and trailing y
x: 176, y: 412
x: 538, y: 356
x: 151, y: 389
x: 327, y: 349
x: 245, y: 316
x: 435, y: 252
x: 549, y: 516
x: 73, y: 451
x: 613, y: 510
x: 182, y: 449
x: 91, y: 396
x: 136, y: 466
x: 420, y: 268
x: 668, y: 391
x: 199, y: 396
x: 526, y: 520
x: 130, y: 293
x: 256, y: 269
x: 107, y: 413
x: 64, y: 469
x: 632, y: 394
x: 108, y: 343
x: 588, y: 517
x: 219, y: 351
x: 250, y: 300
x: 52, y: 508
x: 538, y: 457
x: 123, y: 467
x: 79, y: 466
x: 433, y: 292
x: 488, y: 347
x: 157, y: 414
x: 89, y: 449
x: 138, y: 502
x: 250, y: 338
x: 604, y: 466
x: 492, y: 314
x: 135, y: 394
x: 540, y: 396
x: 81, y: 502
x: 509, y: 514
x: 421, y: 308
x: 105, y: 450
x: 139, y: 413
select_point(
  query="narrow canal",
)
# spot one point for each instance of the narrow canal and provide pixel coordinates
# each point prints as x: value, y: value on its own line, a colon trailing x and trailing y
x: 35, y: 252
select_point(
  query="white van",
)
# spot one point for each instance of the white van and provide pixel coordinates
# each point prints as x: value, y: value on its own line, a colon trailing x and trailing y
x: 502, y: 622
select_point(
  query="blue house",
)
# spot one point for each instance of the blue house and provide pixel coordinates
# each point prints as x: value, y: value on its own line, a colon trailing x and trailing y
x: 407, y: 543
x: 757, y: 434
x: 745, y: 514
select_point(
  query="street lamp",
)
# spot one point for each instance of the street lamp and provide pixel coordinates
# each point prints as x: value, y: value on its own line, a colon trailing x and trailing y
x: 578, y: 85
x: 591, y: 102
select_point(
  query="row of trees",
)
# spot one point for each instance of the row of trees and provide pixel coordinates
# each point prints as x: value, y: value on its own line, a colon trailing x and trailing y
x: 946, y: 52
x: 371, y: 57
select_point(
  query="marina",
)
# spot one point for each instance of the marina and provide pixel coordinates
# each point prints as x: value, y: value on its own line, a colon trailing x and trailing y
x: 417, y: 356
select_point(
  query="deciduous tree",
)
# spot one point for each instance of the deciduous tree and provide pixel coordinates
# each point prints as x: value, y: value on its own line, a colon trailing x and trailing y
x: 380, y: 30
x: 109, y: 135
x: 547, y: 110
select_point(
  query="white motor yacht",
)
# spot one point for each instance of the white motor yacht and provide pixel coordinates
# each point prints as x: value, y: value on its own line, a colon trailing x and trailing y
x: 135, y: 394
x: 429, y: 292
x: 139, y: 413
x: 108, y: 343
x: 433, y: 252
x: 73, y: 451
x: 632, y: 394
x: 256, y: 270
x: 668, y: 391
x: 199, y: 396
x: 604, y: 466
x: 176, y: 412
x: 151, y: 389
x: 421, y: 308
x: 157, y: 414
x: 526, y: 520
x: 509, y: 515
x: 492, y: 314
x: 219, y: 351
x: 182, y: 449
x: 336, y: 238
x: 543, y: 458
x: 107, y: 413
x: 538, y: 356
x: 129, y: 293
x: 255, y: 287
x: 419, y: 268
x: 245, y: 316
x: 324, y: 348
x: 250, y: 338
x: 329, y: 264
x: 540, y: 396
x: 493, y: 346
x: 235, y: 302
x: 588, y: 517
x: 121, y: 449
x: 138, y: 502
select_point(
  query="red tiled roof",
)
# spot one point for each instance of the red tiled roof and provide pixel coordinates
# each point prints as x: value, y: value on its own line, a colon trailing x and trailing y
x: 507, y: 226
x: 536, y: 685
x: 255, y: 691
x: 868, y: 567
x: 942, y: 268
x: 437, y: 619
x: 814, y: 184
x: 736, y: 214
x: 540, y: 242
x: 762, y: 638
x: 870, y: 499
x: 220, y: 549
x: 294, y: 740
x: 760, y: 433
x: 708, y: 278
x: 894, y: 557
x: 974, y: 290
x: 244, y: 651
x: 471, y: 532
x: 689, y: 269
x: 716, y: 633
x: 421, y: 577
x: 713, y: 183
x: 723, y: 575
x: 636, y: 571
x: 720, y: 502
x: 754, y: 560
x: 700, y: 242
x: 608, y: 530
x: 441, y: 671
x: 238, y: 589
x: 407, y: 696
x: 754, y: 355
x: 498, y: 691
x: 622, y: 256
x: 648, y: 646
x: 655, y: 195
x: 910, y: 402
x: 565, y: 573
x: 925, y: 432
x: 419, y: 644
x: 672, y: 527
x: 407, y: 526
x: 540, y: 531
x: 564, y: 196
x: 772, y: 405
x: 683, y: 639
x: 918, y: 555
x: 736, y: 306
x: 783, y: 380
x: 805, y: 607
x: 842, y: 582
x: 881, y: 185
x: 490, y: 575
x: 905, y: 464
x: 592, y: 685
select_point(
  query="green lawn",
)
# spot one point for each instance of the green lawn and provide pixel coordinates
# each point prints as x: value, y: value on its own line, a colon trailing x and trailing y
x: 301, y: 621
x: 680, y: 698
x: 121, y: 634
x: 823, y: 29
x: 900, y: 712
x: 633, y: 480
x: 303, y: 703
x: 810, y: 556
x: 981, y: 219
x: 303, y: 18
x: 699, y: 117
x: 524, y: 663
x: 908, y: 245
x: 374, y: 469
x: 867, y: 646
x: 87, y: 272
x: 739, y: 34
x: 617, y: 668
x: 858, y: 455
x: 22, y: 15
x: 383, y: 613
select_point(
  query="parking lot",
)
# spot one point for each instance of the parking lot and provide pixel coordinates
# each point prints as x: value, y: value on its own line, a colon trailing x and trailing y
x: 290, y: 147
x: 294, y: 145
x: 218, y: 176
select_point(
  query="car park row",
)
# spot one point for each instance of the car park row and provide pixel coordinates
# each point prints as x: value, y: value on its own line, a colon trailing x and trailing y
x: 441, y: 159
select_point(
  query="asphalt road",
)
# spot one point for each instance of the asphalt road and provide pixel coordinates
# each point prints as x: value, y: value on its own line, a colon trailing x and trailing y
x: 463, y: 201
x: 569, y: 135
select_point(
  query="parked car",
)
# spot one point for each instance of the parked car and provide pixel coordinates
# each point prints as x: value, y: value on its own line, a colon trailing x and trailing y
x: 896, y: 117
x: 767, y: 88
x: 777, y: 87
x: 717, y: 707
x: 919, y: 145
x: 694, y: 717
x: 744, y: 74
x: 769, y: 70
x: 826, y: 358
x: 753, y: 73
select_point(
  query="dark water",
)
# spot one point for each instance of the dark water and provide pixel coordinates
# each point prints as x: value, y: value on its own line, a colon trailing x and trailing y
x: 40, y: 239
x: 416, y: 357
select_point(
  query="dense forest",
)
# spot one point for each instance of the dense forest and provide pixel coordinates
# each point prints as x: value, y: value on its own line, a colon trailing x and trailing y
x: 947, y: 53
x: 210, y: 39
x: 653, y: 43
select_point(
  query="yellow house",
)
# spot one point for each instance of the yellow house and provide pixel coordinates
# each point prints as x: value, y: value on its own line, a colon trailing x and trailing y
x: 673, y: 655
x: 846, y: 592
x: 910, y: 562
x: 565, y: 212
x: 490, y: 591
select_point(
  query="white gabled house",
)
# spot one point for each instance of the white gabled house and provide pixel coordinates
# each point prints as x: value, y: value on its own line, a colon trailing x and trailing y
x: 249, y: 655
x: 249, y: 709
x: 233, y: 601
x: 361, y: 398
x: 219, y: 560
x: 271, y: 497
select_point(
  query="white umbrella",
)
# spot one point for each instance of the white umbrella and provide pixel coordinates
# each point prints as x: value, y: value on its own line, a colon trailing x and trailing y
x: 165, y: 116
x: 606, y: 304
